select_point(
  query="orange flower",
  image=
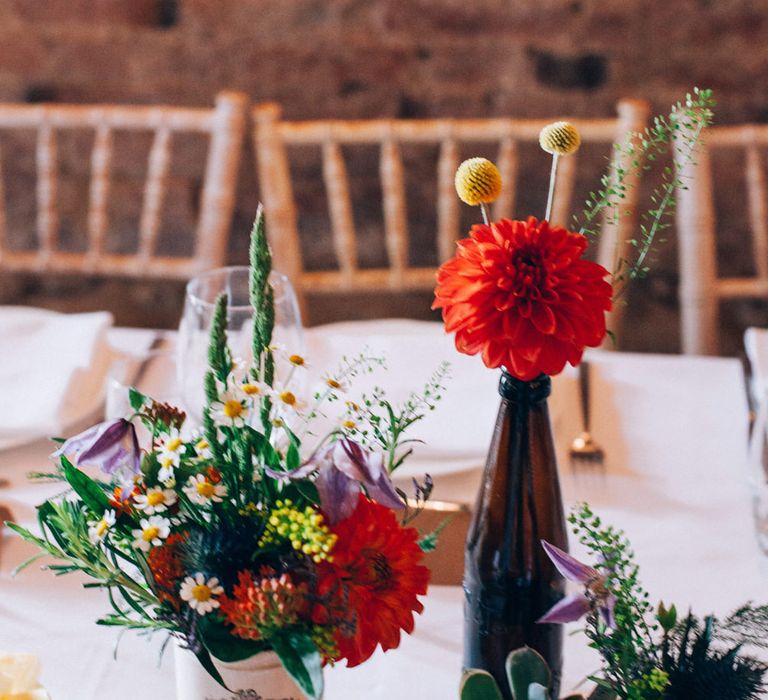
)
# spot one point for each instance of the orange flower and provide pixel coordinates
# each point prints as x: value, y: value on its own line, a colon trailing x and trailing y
x: 258, y: 607
x: 372, y: 580
x: 519, y: 293
x: 165, y: 564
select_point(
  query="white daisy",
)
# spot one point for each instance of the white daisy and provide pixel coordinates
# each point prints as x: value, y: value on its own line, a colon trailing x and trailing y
x: 230, y: 409
x: 201, y: 594
x: 254, y: 390
x: 335, y: 383
x: 203, y: 449
x: 201, y: 491
x: 98, y: 529
x: 171, y: 448
x: 152, y: 533
x: 155, y: 500
x: 298, y: 361
x: 286, y: 399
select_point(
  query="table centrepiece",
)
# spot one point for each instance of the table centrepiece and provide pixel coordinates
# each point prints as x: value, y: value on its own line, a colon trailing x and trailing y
x: 521, y: 294
x: 262, y: 558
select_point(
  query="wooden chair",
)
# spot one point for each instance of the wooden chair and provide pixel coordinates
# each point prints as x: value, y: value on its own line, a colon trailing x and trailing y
x: 272, y: 136
x: 700, y: 286
x: 225, y: 126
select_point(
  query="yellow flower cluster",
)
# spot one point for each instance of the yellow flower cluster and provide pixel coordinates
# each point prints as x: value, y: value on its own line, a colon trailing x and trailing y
x: 303, y: 529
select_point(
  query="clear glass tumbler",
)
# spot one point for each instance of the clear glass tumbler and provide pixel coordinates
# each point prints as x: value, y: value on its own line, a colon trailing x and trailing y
x: 199, y: 304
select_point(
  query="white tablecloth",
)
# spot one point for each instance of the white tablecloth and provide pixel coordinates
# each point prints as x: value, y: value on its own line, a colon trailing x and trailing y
x: 674, y: 429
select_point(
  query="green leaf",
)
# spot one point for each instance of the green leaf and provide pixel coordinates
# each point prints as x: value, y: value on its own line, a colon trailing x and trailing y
x: 478, y: 685
x: 205, y: 661
x: 224, y: 645
x: 136, y: 399
x: 89, y: 490
x: 300, y: 657
x: 524, y: 667
x: 292, y: 457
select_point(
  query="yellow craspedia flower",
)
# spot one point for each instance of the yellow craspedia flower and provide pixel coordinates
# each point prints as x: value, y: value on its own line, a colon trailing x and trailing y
x: 560, y: 138
x: 478, y: 181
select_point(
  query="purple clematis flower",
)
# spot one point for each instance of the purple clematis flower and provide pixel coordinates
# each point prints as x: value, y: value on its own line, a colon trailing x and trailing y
x: 110, y: 446
x: 575, y: 605
x: 341, y: 467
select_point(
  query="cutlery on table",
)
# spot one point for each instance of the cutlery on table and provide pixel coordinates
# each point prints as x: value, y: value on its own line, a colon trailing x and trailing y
x: 585, y: 453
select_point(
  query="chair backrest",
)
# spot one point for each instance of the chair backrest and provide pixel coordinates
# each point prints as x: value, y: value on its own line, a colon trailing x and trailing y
x: 273, y: 135
x: 225, y: 127
x: 700, y: 287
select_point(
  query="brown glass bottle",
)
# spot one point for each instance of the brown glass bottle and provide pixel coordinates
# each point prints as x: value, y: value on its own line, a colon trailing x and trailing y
x: 509, y: 582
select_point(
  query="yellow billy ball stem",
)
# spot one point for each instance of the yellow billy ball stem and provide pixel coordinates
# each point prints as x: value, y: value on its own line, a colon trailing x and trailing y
x: 558, y: 139
x: 478, y: 183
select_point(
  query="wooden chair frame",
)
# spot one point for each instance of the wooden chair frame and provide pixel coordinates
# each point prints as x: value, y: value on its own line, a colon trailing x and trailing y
x: 700, y: 288
x: 272, y: 135
x: 226, y: 126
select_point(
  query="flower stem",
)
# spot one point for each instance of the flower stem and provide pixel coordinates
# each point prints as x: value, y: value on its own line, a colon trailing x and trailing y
x: 484, y: 212
x: 552, y: 180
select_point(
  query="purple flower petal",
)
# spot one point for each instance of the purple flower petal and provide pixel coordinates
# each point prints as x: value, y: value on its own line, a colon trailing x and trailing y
x: 109, y: 446
x: 375, y: 476
x: 569, y: 609
x: 569, y: 567
x: 338, y: 494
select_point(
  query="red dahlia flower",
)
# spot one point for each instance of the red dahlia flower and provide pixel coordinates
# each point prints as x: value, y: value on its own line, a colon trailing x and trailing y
x: 519, y: 293
x: 373, y: 579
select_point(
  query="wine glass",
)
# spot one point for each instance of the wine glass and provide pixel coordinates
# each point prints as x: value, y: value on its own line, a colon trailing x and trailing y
x: 199, y: 305
x: 758, y: 469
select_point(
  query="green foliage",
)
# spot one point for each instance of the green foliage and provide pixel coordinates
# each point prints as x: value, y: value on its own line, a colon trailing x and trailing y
x: 678, y: 133
x: 629, y: 649
x: 649, y: 656
x: 298, y: 653
x: 219, y: 358
x: 526, y: 667
x: 698, y: 670
x: 478, y: 685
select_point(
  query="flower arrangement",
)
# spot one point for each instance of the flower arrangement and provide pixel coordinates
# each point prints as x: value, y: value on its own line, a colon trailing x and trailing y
x: 646, y: 653
x: 520, y: 293
x: 238, y: 538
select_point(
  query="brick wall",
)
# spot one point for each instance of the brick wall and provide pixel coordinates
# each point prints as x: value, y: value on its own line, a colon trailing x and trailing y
x: 402, y: 58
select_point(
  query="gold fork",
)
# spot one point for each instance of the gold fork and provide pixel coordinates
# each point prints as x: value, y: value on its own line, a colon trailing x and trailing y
x: 584, y: 450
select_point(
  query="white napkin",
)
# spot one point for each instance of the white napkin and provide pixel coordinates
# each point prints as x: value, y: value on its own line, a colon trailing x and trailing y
x: 52, y: 369
x: 18, y: 678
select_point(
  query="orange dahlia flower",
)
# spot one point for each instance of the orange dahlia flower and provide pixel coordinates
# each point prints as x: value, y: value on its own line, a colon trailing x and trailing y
x: 520, y: 293
x: 372, y: 580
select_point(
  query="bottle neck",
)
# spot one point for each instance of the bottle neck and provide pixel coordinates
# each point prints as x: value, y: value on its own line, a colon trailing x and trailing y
x: 531, y: 393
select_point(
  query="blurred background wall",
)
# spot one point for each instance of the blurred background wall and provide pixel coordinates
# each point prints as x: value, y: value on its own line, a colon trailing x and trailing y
x: 383, y: 58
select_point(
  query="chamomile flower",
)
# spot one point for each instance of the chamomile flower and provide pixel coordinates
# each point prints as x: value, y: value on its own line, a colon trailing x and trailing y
x: 254, y: 390
x: 203, y: 449
x: 98, y: 529
x: 335, y: 383
x: 200, y: 594
x: 155, y: 500
x: 286, y: 399
x: 297, y: 360
x: 152, y: 532
x: 171, y: 448
x: 230, y: 409
x: 202, y: 491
